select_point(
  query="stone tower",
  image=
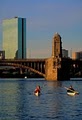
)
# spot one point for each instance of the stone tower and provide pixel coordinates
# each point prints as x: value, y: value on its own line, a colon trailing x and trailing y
x: 57, y: 46
x: 53, y: 64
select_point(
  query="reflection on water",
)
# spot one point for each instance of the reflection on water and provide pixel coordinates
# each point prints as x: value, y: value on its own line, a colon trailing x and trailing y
x: 17, y: 101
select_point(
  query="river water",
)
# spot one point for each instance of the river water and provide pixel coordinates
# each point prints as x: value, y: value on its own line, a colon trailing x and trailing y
x: 17, y: 101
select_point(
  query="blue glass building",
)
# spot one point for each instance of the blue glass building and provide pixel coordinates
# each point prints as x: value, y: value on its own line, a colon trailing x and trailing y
x: 14, y: 38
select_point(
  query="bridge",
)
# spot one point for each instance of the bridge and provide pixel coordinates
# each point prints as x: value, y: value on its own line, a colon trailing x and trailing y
x: 68, y: 67
x: 71, y: 68
x: 34, y: 65
x: 53, y: 68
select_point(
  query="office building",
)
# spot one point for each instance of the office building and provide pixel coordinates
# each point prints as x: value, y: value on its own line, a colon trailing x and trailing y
x: 14, y: 38
x: 64, y: 53
x: 80, y: 55
x: 77, y: 55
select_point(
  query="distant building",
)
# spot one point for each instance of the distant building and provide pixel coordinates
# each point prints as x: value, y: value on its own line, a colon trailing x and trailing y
x: 77, y: 55
x: 64, y: 53
x: 80, y: 55
x: 14, y: 38
x: 74, y: 55
x: 2, y: 54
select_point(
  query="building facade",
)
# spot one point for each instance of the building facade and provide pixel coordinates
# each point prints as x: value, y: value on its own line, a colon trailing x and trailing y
x: 77, y: 55
x: 14, y: 38
x: 80, y: 55
x: 64, y: 53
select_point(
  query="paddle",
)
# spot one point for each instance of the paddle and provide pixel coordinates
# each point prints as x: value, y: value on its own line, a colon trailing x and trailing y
x: 72, y: 90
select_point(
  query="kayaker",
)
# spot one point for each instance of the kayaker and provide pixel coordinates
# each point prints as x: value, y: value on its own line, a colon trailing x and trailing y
x: 37, y: 89
x: 71, y: 88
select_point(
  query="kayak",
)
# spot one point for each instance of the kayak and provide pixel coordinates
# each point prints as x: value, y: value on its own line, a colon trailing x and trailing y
x: 72, y: 93
x: 37, y: 93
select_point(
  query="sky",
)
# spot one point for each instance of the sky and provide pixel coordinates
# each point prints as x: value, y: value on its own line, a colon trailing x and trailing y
x: 43, y: 19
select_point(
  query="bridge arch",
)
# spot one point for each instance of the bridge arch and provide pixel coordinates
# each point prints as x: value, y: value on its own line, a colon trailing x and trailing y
x: 24, y: 67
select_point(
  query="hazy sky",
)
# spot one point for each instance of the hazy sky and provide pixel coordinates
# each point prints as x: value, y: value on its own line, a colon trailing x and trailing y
x: 44, y: 19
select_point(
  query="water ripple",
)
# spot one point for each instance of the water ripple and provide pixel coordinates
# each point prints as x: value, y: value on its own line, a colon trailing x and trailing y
x: 17, y: 101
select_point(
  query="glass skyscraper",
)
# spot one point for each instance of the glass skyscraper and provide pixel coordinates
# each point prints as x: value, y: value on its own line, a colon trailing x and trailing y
x: 14, y: 38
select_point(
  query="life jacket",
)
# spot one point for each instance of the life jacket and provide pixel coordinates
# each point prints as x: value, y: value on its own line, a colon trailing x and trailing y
x: 37, y: 90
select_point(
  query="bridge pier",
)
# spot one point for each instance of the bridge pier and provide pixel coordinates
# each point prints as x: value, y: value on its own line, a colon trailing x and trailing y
x: 52, y: 72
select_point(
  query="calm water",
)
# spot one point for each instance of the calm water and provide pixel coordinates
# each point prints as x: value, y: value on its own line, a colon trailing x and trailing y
x: 17, y: 101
